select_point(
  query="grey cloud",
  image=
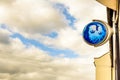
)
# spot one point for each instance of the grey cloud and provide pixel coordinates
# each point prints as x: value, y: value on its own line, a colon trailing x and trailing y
x: 44, y: 70
x: 6, y: 1
x: 4, y: 37
x: 17, y: 65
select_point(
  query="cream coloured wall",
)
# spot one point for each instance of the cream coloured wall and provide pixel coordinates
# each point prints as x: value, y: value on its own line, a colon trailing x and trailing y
x: 103, y: 68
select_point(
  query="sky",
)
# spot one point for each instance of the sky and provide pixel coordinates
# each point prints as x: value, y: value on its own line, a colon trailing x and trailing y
x: 42, y: 39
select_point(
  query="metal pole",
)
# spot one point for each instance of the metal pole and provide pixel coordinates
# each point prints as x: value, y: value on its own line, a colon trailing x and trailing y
x: 117, y: 43
x: 114, y: 22
x: 110, y: 16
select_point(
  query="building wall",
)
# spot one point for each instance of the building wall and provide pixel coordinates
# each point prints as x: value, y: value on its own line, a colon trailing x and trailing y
x: 103, y: 68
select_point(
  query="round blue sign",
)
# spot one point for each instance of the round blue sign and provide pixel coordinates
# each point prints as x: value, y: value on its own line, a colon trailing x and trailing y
x: 95, y: 33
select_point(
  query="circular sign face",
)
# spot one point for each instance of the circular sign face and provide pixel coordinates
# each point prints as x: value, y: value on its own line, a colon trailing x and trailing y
x: 95, y: 33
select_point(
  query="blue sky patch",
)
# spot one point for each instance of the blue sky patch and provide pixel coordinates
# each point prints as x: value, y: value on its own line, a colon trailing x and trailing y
x: 3, y: 26
x: 65, y: 11
x: 52, y: 35
x: 51, y: 50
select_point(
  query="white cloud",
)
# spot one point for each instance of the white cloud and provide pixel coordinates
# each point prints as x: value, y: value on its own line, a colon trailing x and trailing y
x: 32, y: 16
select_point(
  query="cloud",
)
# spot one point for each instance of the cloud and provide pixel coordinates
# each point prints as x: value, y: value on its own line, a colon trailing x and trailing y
x: 24, y: 18
x: 22, y: 65
x: 26, y: 69
x: 4, y: 36
x: 51, y: 50
x: 6, y: 1
x: 32, y: 16
x: 30, y: 63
